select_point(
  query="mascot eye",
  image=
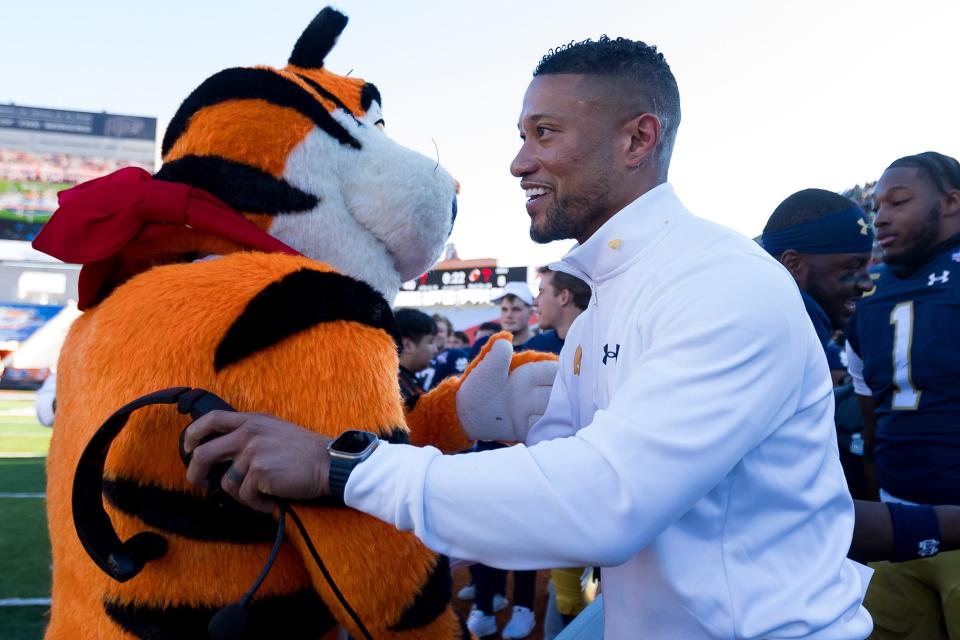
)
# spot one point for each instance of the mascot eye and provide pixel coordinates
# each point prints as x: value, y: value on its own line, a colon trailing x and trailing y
x: 380, y: 124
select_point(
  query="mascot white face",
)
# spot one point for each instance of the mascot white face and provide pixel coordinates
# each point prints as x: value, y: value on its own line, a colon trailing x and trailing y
x: 302, y: 152
x: 384, y: 211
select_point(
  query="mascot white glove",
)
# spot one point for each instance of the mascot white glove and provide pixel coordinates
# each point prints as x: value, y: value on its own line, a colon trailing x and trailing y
x: 495, y: 403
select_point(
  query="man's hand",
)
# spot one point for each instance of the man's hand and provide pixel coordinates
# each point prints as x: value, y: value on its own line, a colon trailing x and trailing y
x: 495, y: 403
x: 270, y: 458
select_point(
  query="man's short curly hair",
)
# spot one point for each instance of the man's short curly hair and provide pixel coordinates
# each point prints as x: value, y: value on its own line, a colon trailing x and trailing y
x: 943, y: 171
x: 632, y: 61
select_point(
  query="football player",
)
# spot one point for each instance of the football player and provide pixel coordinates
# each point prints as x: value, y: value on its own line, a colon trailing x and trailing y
x: 904, y: 357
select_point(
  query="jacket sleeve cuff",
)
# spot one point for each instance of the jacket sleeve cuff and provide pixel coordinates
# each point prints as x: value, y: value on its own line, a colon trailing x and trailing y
x: 389, y: 485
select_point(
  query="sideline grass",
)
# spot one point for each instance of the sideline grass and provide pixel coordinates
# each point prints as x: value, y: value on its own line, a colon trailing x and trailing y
x: 19, y: 430
x: 24, y: 545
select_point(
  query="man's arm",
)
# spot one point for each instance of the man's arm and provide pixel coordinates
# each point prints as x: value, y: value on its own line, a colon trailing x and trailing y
x: 865, y: 398
x: 873, y: 535
x: 869, y: 441
x: 719, y: 374
x: 697, y: 400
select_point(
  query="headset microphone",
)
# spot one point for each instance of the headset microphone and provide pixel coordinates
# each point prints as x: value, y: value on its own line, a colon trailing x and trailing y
x: 230, y: 622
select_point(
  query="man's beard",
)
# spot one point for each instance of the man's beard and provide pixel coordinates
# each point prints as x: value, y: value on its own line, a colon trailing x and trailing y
x: 924, y: 240
x: 570, y: 216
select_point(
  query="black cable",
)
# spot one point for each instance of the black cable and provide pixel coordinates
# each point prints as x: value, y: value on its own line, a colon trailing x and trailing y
x: 326, y: 574
x: 281, y: 527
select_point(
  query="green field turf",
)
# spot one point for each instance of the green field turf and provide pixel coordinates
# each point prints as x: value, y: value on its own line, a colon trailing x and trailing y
x: 19, y: 430
x: 24, y: 546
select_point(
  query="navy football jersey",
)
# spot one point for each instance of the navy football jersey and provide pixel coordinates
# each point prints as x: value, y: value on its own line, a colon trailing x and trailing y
x: 451, y: 362
x: 907, y: 333
x: 547, y: 342
x: 819, y: 318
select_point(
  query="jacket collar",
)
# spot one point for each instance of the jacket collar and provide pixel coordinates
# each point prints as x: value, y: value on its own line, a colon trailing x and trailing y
x: 626, y: 237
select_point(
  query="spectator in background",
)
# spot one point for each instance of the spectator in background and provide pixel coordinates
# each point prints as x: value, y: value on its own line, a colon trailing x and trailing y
x: 444, y: 330
x: 904, y: 357
x: 418, y: 332
x: 485, y: 330
x: 489, y: 583
x: 516, y: 307
x: 561, y: 299
x: 824, y: 240
x: 448, y: 362
x: 459, y: 340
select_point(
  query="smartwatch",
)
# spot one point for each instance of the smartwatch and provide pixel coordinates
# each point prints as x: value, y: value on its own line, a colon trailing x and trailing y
x: 346, y: 452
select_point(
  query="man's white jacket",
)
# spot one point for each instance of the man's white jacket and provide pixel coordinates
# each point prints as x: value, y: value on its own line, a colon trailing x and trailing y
x: 688, y: 448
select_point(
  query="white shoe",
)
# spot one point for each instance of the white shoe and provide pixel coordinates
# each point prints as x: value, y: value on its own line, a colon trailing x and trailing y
x: 469, y: 592
x: 522, y: 622
x: 481, y: 625
x: 500, y: 602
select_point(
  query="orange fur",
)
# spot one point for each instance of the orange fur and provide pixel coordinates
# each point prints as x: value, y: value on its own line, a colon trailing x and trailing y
x: 433, y: 421
x: 244, y: 131
x: 313, y: 378
x: 345, y: 88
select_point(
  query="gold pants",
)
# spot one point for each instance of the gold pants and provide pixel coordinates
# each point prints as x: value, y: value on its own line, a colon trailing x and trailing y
x: 914, y: 600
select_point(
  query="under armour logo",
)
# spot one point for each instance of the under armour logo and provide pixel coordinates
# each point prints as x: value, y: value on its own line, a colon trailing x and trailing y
x: 943, y: 278
x: 611, y: 354
x: 927, y: 548
x: 864, y: 229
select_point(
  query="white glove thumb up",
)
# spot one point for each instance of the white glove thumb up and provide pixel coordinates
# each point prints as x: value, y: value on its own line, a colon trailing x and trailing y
x: 496, y: 404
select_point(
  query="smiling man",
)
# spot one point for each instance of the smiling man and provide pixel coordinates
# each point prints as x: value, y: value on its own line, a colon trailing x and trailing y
x: 688, y: 445
x: 824, y: 240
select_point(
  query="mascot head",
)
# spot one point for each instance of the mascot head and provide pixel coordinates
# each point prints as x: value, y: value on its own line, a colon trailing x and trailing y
x: 299, y: 153
x: 302, y: 151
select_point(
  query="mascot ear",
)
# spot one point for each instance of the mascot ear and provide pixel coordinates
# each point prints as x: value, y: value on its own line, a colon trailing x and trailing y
x: 318, y: 39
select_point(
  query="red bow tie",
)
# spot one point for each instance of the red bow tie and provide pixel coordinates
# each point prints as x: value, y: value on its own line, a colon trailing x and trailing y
x: 99, y: 218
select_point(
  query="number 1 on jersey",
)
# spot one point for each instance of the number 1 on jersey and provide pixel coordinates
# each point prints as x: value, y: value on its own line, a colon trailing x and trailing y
x: 905, y: 396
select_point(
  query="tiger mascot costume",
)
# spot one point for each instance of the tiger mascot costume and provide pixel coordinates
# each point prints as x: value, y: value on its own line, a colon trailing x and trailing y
x: 258, y: 264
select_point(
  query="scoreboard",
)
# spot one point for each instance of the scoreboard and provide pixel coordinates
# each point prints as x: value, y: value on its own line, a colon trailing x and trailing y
x: 468, y: 278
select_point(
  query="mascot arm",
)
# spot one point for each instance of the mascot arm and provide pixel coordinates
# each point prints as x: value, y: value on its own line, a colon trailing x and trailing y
x: 499, y: 397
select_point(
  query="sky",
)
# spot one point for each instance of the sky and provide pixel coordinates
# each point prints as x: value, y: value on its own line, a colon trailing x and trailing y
x: 776, y: 96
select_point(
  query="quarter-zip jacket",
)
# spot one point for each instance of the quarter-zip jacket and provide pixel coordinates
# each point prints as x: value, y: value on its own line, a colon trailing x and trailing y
x: 688, y: 447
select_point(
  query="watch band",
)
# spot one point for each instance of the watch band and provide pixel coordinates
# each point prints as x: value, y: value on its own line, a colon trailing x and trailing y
x: 349, y: 449
x: 339, y: 474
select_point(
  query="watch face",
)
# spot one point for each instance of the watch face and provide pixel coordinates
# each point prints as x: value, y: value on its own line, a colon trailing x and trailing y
x: 353, y: 442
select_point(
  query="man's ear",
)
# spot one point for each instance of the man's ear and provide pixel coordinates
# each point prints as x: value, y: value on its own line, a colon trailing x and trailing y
x: 565, y: 297
x: 644, y: 136
x: 796, y: 264
x: 951, y: 203
x: 408, y: 345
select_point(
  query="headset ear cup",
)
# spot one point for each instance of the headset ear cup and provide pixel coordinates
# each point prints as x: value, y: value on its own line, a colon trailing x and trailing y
x: 135, y: 553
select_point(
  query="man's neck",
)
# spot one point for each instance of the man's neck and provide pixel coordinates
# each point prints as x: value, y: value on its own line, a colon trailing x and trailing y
x: 909, y: 268
x: 564, y: 325
x: 521, y: 336
x: 642, y: 186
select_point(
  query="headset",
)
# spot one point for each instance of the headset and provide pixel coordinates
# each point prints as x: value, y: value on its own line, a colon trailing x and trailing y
x: 124, y: 559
